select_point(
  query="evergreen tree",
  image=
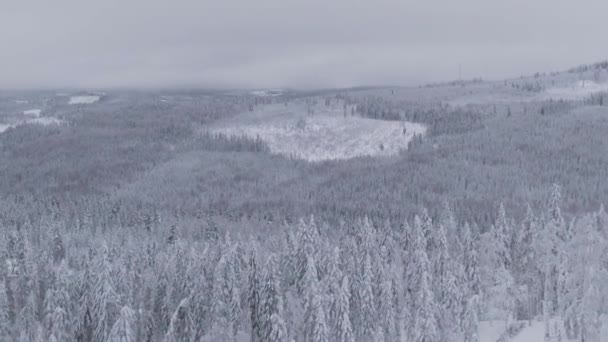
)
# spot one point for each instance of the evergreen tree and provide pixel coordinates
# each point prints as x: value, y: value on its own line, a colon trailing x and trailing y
x: 426, y: 324
x: 343, y: 331
x: 253, y: 295
x: 180, y: 327
x: 274, y: 328
x: 124, y: 328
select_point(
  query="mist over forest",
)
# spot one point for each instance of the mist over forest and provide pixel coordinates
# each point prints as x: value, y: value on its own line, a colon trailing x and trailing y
x: 310, y: 171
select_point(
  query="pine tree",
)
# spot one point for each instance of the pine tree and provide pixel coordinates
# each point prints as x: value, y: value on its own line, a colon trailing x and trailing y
x: 274, y: 328
x: 343, y: 331
x: 426, y: 324
x: 366, y: 300
x: 471, y: 321
x: 253, y: 295
x: 180, y: 327
x: 59, y: 329
x: 104, y: 298
x: 124, y: 327
x: 315, y: 329
x: 387, y: 317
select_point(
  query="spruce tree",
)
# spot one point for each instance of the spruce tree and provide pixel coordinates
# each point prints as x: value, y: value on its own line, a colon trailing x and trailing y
x: 123, y: 329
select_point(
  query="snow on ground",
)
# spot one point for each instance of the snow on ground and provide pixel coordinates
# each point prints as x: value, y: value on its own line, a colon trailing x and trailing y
x: 32, y: 112
x: 490, y: 331
x: 267, y: 92
x: 45, y: 121
x: 325, y: 135
x: 83, y: 99
x: 576, y: 91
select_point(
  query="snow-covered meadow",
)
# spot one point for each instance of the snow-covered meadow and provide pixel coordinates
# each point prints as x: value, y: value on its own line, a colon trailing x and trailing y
x: 326, y: 134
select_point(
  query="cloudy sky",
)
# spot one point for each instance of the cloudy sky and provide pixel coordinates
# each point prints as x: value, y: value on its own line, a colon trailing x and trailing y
x: 291, y: 43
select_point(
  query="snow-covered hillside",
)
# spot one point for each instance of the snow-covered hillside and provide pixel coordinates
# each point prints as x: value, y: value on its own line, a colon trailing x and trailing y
x: 325, y: 135
x: 576, y: 91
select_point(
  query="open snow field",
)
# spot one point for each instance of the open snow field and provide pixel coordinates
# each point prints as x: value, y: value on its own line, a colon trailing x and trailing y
x: 84, y: 99
x: 32, y: 112
x: 45, y: 121
x: 577, y: 91
x: 325, y: 135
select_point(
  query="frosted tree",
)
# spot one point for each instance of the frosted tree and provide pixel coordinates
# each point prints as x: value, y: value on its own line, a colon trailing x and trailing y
x: 331, y: 284
x: 60, y: 324
x: 104, y: 297
x: 498, y: 284
x: 253, y: 295
x: 426, y: 326
x: 586, y: 281
x: 365, y: 294
x: 524, y: 264
x: 453, y: 235
x: 123, y: 329
x: 504, y: 234
x: 471, y: 320
x: 315, y: 329
x: 343, y: 331
x: 226, y: 292
x: 274, y: 328
x: 5, y: 324
x: 445, y: 284
x: 180, y: 327
x: 307, y: 237
x: 386, y: 314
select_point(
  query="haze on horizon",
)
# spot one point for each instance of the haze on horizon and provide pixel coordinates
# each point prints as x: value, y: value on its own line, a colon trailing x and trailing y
x: 277, y: 43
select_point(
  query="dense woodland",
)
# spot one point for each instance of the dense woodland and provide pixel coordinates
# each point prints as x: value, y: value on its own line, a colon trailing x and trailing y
x: 100, y: 274
x: 134, y: 223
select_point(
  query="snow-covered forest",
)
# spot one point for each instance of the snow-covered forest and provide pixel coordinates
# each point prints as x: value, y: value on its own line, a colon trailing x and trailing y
x: 143, y: 216
x: 101, y: 275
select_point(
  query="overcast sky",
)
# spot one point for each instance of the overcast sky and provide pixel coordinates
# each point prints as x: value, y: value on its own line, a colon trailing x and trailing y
x: 291, y: 43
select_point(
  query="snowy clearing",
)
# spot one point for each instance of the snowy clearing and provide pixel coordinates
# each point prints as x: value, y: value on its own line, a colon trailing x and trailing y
x: 576, y: 91
x: 325, y: 135
x: 84, y: 99
x: 44, y: 121
x: 32, y: 112
x: 267, y: 92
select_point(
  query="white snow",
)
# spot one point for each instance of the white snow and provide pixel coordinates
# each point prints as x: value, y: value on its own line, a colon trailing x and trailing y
x: 32, y: 112
x: 267, y: 92
x: 326, y: 135
x: 83, y: 99
x: 21, y: 101
x: 45, y: 121
x: 576, y: 91
x: 490, y: 331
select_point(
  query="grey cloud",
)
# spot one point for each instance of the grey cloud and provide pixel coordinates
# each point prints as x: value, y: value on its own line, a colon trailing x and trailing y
x: 267, y: 43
